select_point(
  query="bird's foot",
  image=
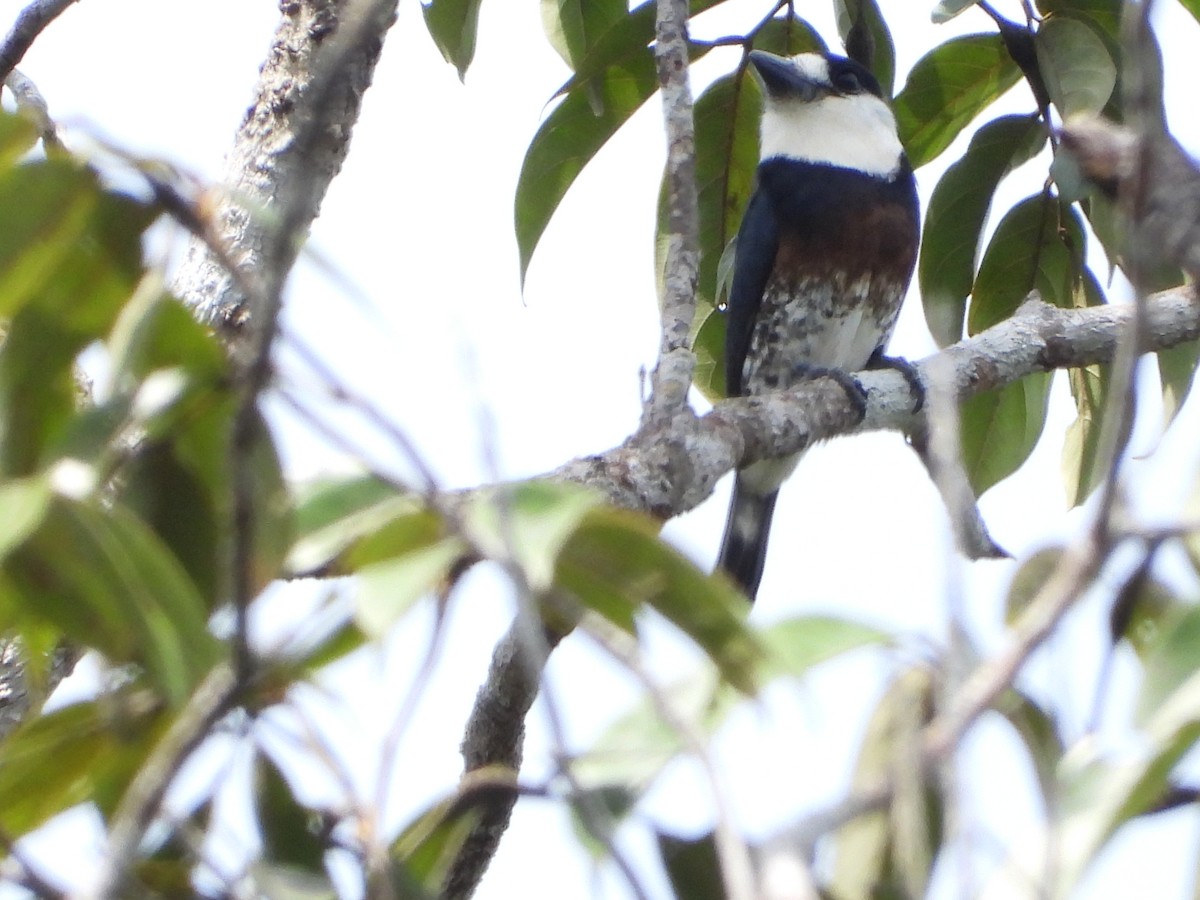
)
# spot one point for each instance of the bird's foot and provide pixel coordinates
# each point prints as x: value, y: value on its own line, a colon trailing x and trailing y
x: 851, y: 385
x: 905, y: 368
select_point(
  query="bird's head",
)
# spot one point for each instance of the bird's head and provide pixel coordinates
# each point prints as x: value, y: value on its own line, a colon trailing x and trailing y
x: 826, y: 109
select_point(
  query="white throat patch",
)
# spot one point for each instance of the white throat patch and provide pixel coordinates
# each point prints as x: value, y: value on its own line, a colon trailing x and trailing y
x: 857, y: 131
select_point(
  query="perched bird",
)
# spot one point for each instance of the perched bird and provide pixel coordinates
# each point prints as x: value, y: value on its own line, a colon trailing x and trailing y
x: 824, y: 256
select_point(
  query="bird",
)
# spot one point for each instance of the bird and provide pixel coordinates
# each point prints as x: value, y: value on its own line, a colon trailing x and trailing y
x: 823, y: 259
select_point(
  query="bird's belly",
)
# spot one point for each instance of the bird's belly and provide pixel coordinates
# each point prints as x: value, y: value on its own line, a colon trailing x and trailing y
x: 807, y: 323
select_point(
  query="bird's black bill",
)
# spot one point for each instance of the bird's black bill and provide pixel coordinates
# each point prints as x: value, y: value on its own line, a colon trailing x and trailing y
x: 782, y: 78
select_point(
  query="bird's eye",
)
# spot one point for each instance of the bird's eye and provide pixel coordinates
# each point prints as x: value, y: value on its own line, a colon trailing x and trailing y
x: 847, y: 81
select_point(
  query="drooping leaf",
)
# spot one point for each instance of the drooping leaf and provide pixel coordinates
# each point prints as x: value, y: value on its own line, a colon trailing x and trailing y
x: 423, y: 852
x: 108, y: 582
x: 1174, y: 661
x: 867, y: 38
x: 1105, y: 13
x: 574, y: 27
x: 453, y: 24
x: 334, y: 516
x: 615, y: 563
x: 83, y: 752
x: 889, y: 852
x: 1038, y: 245
x: 18, y: 135
x: 1177, y: 372
x: 693, y: 867
x: 291, y: 832
x: 796, y: 645
x: 1084, y: 466
x: 1038, y: 731
x: 947, y: 89
x: 388, y: 589
x: 957, y: 211
x: 1076, y: 66
x: 948, y: 9
x: 708, y: 343
x: 999, y: 429
x: 1029, y: 580
x: 569, y: 138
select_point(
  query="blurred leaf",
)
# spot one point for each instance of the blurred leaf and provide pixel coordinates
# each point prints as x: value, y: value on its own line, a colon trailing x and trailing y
x: 947, y: 89
x: 531, y: 522
x: 888, y: 852
x: 574, y: 27
x: 1177, y: 371
x: 1028, y: 581
x: 424, y: 850
x: 1192, y: 6
x: 291, y: 833
x: 1105, y: 13
x: 1039, y: 246
x: 693, y: 868
x: 108, y: 582
x: 999, y: 429
x: 388, y: 589
x: 633, y: 750
x: 957, y: 211
x: 1078, y: 71
x: 1172, y: 663
x: 333, y: 515
x: 788, y: 35
x: 1084, y: 469
x: 18, y: 135
x: 615, y: 563
x: 1144, y: 611
x: 1039, y: 733
x: 797, y: 644
x: 453, y: 24
x: 865, y: 34
x: 83, y: 752
x: 23, y: 507
x: 948, y: 9
x: 155, y: 332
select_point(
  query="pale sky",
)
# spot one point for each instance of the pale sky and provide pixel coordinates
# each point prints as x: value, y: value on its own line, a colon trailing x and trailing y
x: 443, y: 342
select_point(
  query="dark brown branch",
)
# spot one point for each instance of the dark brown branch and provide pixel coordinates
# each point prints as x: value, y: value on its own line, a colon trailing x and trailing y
x: 30, y: 23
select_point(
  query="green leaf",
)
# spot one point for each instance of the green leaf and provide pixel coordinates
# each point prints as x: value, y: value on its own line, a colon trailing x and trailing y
x: 1084, y: 469
x: 1105, y: 13
x: 796, y: 645
x: 692, y: 865
x: 570, y: 137
x: 727, y: 116
x: 999, y: 429
x: 1038, y: 731
x: 948, y: 9
x: 1078, y: 71
x: 947, y: 88
x: 1177, y: 371
x: 291, y: 833
x: 615, y: 563
x: 23, y: 507
x: 634, y: 749
x: 1038, y: 245
x: 1028, y: 581
x: 1172, y: 663
x: 708, y: 343
x: 529, y: 522
x: 453, y: 24
x: 107, y: 581
x: 788, y: 35
x: 388, y: 589
x: 84, y: 752
x: 18, y: 135
x: 957, y: 211
x: 864, y: 30
x: 333, y: 516
x: 889, y: 852
x: 425, y: 849
x: 1192, y: 6
x: 574, y: 27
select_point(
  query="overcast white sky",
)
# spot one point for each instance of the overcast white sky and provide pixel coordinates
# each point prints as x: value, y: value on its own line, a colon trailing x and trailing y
x: 442, y: 340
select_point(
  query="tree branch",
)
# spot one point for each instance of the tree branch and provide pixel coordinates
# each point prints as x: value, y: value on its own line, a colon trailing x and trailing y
x: 30, y: 23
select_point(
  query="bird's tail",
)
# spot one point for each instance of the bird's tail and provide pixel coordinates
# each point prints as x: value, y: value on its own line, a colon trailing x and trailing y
x: 744, y: 547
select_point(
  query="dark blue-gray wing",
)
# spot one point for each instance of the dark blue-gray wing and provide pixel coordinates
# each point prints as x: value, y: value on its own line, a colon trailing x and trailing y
x: 757, y: 243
